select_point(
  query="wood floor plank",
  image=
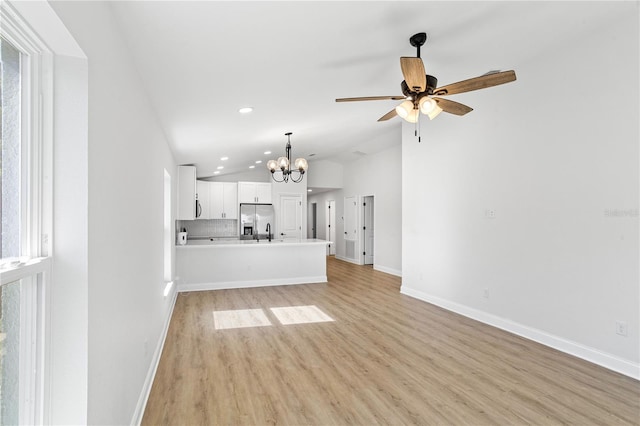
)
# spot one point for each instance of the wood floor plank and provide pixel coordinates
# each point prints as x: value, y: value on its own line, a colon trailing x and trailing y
x: 385, y: 358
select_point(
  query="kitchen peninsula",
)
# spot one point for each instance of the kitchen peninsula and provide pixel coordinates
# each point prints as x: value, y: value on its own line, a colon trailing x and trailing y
x: 214, y: 265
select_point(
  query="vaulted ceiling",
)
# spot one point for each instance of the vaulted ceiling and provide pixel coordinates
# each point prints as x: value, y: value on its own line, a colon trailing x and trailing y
x: 201, y: 61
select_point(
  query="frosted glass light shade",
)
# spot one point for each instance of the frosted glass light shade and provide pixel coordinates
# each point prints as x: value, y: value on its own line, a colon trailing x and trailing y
x: 404, y: 109
x: 272, y: 165
x: 283, y: 163
x: 412, y: 117
x: 434, y: 112
x: 427, y: 105
x: 301, y: 164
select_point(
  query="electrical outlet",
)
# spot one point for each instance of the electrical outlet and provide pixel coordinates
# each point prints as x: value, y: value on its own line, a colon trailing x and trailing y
x: 490, y: 213
x: 485, y: 293
x: 621, y: 328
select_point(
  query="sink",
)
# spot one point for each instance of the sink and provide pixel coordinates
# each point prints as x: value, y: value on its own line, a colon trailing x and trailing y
x: 264, y: 241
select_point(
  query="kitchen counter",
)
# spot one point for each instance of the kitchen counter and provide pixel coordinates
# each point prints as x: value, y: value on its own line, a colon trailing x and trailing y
x: 203, y: 264
x: 227, y: 242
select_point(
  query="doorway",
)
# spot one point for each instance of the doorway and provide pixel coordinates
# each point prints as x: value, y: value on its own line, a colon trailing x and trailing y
x: 331, y: 227
x: 368, y: 230
x: 313, y: 220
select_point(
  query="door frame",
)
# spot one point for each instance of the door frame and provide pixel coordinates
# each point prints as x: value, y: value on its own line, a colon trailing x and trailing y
x: 330, y: 213
x: 363, y: 243
x: 312, y: 224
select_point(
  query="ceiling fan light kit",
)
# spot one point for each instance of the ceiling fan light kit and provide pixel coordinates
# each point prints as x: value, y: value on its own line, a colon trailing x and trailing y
x: 281, y: 168
x: 419, y: 89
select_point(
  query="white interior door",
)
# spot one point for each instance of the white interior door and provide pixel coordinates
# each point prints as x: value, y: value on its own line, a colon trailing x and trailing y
x: 331, y: 228
x: 350, y: 218
x: 291, y: 217
x: 367, y: 230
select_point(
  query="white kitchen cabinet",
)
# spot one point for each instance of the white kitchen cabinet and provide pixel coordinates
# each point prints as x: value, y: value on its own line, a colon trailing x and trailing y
x: 186, y: 193
x: 223, y: 200
x: 254, y: 192
x: 203, y: 204
x: 263, y: 192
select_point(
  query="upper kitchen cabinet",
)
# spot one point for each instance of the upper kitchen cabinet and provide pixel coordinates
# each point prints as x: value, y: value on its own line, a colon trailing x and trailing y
x: 203, y: 204
x: 186, y: 193
x: 223, y: 200
x: 254, y: 192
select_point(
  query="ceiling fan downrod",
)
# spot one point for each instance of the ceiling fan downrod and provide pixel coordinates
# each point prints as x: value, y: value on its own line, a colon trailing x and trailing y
x: 418, y: 40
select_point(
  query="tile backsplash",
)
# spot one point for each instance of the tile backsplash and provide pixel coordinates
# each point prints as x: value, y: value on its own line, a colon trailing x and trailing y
x: 216, y: 228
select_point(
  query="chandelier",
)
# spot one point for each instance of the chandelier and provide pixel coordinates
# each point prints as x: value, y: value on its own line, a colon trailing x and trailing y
x: 283, y: 165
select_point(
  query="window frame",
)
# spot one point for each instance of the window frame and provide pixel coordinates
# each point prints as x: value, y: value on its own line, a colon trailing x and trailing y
x: 36, y: 69
x: 36, y: 195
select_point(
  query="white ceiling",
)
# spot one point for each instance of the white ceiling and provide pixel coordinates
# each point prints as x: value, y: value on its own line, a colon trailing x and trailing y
x: 201, y: 61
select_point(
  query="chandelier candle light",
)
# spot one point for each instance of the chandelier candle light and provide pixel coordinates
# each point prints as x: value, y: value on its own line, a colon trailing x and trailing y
x: 283, y: 165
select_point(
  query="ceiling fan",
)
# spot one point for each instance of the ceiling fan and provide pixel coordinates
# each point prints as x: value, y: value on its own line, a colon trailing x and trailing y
x: 420, y: 91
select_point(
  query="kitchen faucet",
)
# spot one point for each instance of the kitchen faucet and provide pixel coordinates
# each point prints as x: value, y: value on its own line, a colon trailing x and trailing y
x: 268, y: 231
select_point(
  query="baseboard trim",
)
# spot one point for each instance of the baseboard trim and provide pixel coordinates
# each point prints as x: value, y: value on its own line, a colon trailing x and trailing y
x: 151, y: 374
x: 250, y: 284
x: 355, y: 262
x: 386, y: 270
x: 606, y: 360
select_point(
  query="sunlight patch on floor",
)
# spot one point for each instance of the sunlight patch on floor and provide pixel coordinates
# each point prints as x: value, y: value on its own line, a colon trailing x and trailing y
x: 240, y: 318
x: 300, y: 315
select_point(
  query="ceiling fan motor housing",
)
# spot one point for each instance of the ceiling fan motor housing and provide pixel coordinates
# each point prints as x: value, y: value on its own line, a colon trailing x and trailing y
x: 432, y: 83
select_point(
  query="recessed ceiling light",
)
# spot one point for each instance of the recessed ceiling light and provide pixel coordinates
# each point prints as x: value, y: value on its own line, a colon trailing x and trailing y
x: 224, y: 158
x: 309, y: 190
x: 267, y: 152
x: 216, y: 172
x: 259, y: 161
x: 252, y: 167
x: 220, y: 167
x: 245, y: 110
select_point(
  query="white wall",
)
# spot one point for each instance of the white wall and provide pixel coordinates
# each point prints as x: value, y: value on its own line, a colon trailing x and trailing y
x: 126, y: 160
x: 321, y: 200
x: 259, y: 174
x: 69, y: 293
x: 325, y: 174
x: 556, y: 159
x: 379, y: 175
x: 365, y: 177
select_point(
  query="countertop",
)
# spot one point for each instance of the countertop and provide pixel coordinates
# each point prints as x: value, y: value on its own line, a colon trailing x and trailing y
x: 202, y: 243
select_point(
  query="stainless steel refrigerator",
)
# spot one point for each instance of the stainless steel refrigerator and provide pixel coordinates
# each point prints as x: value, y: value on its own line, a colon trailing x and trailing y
x: 255, y: 219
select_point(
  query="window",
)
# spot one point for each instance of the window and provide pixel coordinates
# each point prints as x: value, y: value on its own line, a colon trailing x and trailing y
x: 10, y: 152
x: 24, y: 61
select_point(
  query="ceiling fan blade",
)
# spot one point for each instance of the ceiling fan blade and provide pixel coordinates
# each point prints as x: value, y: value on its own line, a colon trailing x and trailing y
x: 389, y: 115
x: 414, y: 74
x: 476, y: 83
x: 371, y: 98
x: 452, y: 107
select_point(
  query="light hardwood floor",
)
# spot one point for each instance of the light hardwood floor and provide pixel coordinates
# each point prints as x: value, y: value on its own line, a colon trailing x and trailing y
x: 385, y: 359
